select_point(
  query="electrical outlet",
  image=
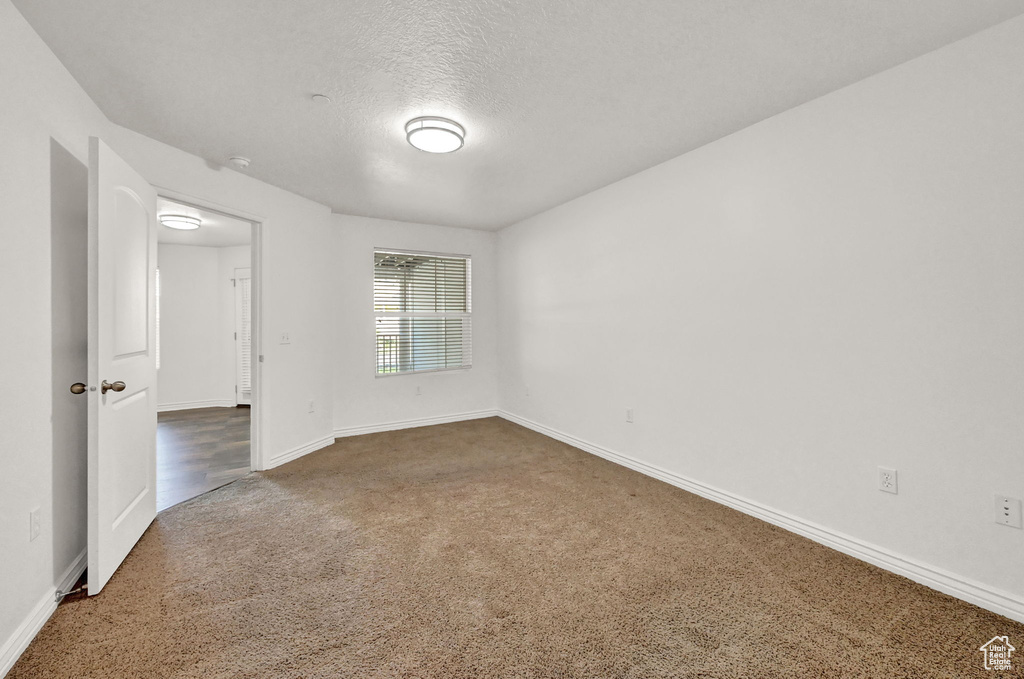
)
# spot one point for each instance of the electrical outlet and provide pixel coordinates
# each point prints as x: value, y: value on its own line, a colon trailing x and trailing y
x: 629, y: 415
x: 34, y: 527
x: 286, y: 338
x: 887, y: 480
x: 1008, y: 511
x: 419, y: 392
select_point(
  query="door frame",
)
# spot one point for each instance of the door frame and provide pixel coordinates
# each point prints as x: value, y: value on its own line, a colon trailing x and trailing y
x: 256, y: 462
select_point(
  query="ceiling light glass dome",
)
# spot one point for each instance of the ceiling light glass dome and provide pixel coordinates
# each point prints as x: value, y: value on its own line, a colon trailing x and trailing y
x: 435, y: 135
x: 181, y: 222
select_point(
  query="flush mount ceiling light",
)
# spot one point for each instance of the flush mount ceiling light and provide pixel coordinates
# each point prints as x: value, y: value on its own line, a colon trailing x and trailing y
x: 181, y: 222
x: 240, y: 162
x: 435, y: 135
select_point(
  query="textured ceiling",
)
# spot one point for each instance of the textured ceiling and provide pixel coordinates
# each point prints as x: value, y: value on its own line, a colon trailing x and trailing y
x: 217, y: 230
x: 558, y: 97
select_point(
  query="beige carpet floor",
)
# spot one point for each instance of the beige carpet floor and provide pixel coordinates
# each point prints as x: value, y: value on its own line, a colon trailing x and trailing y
x: 482, y: 549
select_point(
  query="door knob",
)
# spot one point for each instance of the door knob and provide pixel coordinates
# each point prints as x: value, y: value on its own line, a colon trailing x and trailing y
x: 107, y: 386
x: 78, y: 388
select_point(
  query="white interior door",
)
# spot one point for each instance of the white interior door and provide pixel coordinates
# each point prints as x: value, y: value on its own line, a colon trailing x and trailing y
x: 243, y: 336
x: 122, y: 418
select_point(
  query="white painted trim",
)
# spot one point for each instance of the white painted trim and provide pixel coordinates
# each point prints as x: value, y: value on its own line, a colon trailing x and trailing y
x: 256, y: 414
x: 296, y: 453
x: 189, y: 405
x: 30, y: 626
x: 409, y: 424
x: 979, y: 594
x: 206, y: 204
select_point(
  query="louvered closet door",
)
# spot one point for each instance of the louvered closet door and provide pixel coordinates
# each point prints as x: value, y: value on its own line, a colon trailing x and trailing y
x: 243, y: 336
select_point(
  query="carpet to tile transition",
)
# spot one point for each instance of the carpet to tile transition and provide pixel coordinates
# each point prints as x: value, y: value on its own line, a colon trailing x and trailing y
x: 482, y: 549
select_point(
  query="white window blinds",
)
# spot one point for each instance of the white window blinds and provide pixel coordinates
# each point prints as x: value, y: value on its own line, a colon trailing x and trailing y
x: 422, y: 308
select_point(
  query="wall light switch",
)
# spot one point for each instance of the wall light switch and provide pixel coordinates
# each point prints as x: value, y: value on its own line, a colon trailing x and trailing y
x: 1008, y: 511
x: 629, y: 415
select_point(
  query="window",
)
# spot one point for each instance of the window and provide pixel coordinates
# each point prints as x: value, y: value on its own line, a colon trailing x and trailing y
x: 422, y: 308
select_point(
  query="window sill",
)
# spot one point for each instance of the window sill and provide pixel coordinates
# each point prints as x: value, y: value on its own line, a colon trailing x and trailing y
x: 464, y: 368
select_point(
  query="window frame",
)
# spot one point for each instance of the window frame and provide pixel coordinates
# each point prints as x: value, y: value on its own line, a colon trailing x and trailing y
x: 468, y: 314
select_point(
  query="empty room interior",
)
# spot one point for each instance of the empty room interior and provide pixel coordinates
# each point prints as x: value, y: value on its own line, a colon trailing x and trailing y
x: 532, y: 339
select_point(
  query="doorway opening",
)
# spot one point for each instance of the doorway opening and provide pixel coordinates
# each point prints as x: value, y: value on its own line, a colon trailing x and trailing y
x: 205, y: 330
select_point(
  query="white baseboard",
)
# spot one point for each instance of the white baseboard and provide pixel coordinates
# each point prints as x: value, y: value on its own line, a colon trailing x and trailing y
x: 296, y: 453
x: 189, y: 405
x: 989, y: 598
x: 41, y: 612
x: 409, y: 424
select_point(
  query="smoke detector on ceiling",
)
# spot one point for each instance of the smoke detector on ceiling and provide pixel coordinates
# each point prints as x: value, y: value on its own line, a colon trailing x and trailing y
x: 239, y: 162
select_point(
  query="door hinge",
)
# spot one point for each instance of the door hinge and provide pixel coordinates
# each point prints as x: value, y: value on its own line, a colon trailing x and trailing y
x: 233, y: 282
x: 236, y: 336
x: 261, y: 358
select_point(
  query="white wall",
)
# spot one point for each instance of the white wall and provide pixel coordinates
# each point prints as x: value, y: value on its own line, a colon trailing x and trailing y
x: 197, y: 317
x: 296, y: 261
x: 191, y: 372
x: 43, y: 103
x: 363, y: 402
x: 833, y: 289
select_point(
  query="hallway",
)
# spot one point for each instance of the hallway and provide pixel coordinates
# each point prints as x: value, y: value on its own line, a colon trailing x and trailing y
x: 199, y: 450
